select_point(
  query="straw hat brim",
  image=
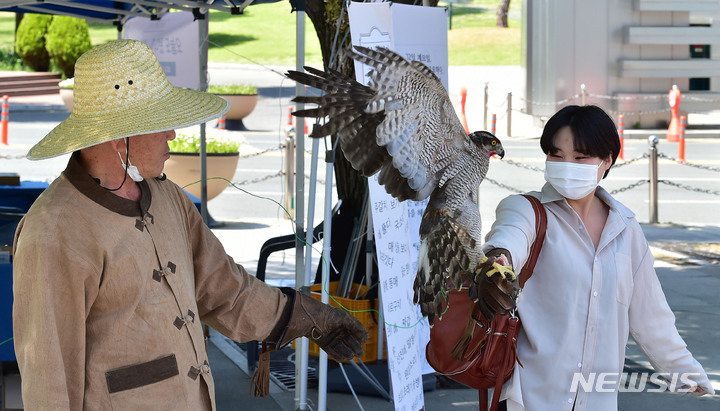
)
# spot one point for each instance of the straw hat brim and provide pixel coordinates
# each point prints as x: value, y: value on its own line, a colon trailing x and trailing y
x: 177, y: 109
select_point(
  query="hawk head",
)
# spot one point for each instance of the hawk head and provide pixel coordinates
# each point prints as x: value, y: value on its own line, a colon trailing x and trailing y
x: 488, y: 142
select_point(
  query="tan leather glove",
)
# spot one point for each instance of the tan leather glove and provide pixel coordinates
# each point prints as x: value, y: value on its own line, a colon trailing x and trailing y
x: 337, y: 332
x: 496, y: 293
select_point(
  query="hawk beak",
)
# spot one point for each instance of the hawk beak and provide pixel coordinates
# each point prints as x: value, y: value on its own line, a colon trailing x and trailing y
x: 500, y: 152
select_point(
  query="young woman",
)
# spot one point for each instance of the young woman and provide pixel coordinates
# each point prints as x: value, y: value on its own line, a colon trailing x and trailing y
x: 594, y: 282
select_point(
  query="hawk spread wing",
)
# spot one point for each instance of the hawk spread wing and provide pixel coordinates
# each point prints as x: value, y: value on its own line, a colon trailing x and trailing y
x: 403, y: 125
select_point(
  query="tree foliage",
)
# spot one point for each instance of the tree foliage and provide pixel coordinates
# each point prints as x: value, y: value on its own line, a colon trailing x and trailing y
x: 67, y: 39
x: 30, y: 41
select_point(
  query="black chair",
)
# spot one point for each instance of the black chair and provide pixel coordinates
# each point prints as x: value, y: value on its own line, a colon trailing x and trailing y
x: 270, y: 246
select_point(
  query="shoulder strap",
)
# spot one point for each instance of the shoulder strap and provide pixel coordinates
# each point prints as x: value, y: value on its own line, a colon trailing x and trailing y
x: 540, y: 225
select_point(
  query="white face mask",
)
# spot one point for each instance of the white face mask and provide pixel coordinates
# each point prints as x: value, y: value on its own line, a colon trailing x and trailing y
x: 572, y: 180
x: 132, y: 171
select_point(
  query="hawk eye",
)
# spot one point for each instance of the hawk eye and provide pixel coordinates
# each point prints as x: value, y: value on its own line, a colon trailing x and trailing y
x: 494, y: 142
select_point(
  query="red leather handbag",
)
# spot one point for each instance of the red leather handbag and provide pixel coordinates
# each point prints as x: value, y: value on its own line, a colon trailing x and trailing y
x: 490, y: 358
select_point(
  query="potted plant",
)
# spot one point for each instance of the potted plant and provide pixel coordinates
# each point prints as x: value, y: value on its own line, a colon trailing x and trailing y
x: 66, y: 92
x: 242, y: 98
x: 183, y: 167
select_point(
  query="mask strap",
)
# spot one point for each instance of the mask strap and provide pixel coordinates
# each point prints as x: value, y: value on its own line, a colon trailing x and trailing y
x: 124, y: 163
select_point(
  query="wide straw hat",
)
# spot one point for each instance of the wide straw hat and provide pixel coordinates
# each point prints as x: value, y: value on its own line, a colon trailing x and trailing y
x: 120, y: 91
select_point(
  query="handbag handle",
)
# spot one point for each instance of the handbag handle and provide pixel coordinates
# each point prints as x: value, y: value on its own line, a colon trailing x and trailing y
x: 540, y: 226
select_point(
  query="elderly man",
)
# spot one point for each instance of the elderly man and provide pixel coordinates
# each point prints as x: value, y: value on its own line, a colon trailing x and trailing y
x: 114, y: 269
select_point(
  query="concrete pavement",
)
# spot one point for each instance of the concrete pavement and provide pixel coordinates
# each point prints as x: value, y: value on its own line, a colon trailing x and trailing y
x: 691, y: 289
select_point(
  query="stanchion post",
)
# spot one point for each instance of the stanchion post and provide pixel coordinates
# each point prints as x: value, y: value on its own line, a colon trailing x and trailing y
x: 582, y: 93
x: 681, y: 143
x: 5, y: 118
x: 509, y: 115
x: 485, y: 108
x: 653, y: 155
x: 221, y: 123
x: 621, y: 133
x: 492, y: 125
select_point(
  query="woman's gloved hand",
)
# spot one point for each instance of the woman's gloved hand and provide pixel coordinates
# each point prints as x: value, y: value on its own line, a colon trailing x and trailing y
x: 495, y: 286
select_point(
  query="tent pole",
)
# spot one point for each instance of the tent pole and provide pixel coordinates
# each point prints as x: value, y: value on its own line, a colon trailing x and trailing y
x: 301, y: 350
x: 203, y: 29
x: 325, y: 298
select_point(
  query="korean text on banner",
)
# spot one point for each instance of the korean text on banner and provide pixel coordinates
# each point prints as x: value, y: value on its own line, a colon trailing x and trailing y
x: 174, y: 40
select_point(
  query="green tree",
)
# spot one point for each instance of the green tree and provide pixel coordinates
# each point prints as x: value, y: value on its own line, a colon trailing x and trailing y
x: 30, y: 42
x: 67, y: 39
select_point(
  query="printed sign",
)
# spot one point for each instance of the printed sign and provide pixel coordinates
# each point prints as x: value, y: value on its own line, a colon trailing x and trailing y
x: 174, y: 40
x: 395, y: 223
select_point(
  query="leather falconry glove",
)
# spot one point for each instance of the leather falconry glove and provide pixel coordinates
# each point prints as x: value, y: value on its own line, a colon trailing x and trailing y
x: 337, y: 332
x: 495, y: 286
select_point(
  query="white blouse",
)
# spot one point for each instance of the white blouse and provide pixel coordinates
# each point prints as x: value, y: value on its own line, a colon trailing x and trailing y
x: 580, y: 305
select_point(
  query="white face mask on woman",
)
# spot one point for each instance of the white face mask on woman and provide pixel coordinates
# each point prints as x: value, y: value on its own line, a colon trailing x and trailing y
x: 572, y: 180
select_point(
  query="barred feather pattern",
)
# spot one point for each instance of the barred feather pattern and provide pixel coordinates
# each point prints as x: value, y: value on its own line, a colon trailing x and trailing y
x: 404, y: 126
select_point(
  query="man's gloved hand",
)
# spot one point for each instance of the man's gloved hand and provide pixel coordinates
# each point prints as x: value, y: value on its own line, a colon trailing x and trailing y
x: 337, y: 332
x: 495, y: 286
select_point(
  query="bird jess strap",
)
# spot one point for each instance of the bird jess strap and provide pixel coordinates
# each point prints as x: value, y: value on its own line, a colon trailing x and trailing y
x: 491, y: 353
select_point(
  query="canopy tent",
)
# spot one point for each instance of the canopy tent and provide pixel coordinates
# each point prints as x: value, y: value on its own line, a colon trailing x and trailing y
x: 117, y: 12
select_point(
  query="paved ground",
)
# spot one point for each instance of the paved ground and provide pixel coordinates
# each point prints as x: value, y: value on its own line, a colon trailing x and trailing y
x: 690, y: 279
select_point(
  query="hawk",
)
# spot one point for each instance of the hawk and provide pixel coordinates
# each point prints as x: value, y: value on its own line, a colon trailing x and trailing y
x: 404, y: 126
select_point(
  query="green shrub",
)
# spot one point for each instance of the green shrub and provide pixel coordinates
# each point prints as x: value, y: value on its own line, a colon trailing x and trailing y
x: 11, y: 61
x: 188, y: 141
x: 67, y: 39
x: 30, y: 42
x: 236, y: 89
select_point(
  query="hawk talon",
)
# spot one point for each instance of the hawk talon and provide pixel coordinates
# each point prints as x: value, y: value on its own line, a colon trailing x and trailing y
x: 497, y: 268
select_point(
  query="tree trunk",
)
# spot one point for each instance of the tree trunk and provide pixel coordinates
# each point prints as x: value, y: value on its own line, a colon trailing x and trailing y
x: 502, y: 13
x: 18, y: 19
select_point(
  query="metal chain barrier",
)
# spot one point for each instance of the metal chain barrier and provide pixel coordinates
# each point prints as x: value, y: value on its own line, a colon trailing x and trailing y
x: 690, y: 188
x: 700, y: 166
x: 550, y: 103
x: 633, y: 160
x: 259, y: 153
x: 522, y: 165
x: 257, y: 180
x: 501, y: 185
x: 700, y: 99
x: 627, y: 98
x: 638, y: 113
x: 629, y: 187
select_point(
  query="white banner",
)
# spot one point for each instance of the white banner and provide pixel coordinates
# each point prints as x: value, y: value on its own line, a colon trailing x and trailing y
x: 174, y: 40
x: 417, y: 33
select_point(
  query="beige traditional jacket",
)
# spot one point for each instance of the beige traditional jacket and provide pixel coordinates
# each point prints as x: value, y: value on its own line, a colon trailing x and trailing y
x: 110, y: 295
